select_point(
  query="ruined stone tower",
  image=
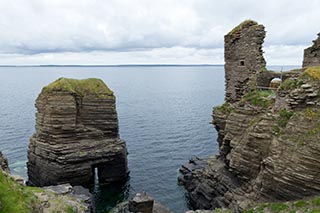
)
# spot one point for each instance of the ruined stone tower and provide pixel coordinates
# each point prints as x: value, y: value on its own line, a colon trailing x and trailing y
x: 312, y: 54
x: 76, y: 134
x: 243, y: 58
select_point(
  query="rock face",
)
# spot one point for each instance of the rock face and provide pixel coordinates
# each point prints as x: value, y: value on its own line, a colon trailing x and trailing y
x: 269, y: 148
x: 76, y: 133
x: 140, y: 203
x: 243, y: 58
x: 312, y: 54
x: 4, y: 163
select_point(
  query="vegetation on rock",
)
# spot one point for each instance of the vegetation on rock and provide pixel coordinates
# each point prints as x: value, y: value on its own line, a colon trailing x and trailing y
x: 225, y: 108
x: 15, y: 197
x: 285, y: 115
x: 90, y: 86
x: 291, y: 83
x: 308, y: 206
x: 242, y: 25
x: 312, y: 73
x: 262, y: 98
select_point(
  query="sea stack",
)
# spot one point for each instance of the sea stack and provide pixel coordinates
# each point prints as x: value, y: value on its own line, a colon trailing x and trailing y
x: 76, y: 134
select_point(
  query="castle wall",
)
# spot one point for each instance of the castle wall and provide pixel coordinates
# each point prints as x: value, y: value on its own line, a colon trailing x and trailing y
x: 243, y: 59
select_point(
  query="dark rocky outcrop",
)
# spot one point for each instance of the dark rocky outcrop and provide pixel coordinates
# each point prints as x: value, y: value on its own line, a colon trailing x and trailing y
x: 140, y: 203
x: 76, y: 132
x: 243, y: 58
x: 312, y: 54
x: 269, y: 147
x: 4, y: 163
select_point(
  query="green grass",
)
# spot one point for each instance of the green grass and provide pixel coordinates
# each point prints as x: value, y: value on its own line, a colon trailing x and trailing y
x: 310, y: 117
x: 80, y: 87
x: 285, y: 115
x: 308, y: 206
x: 69, y: 209
x: 242, y: 25
x: 316, y: 201
x: 278, y: 207
x: 15, y: 197
x: 312, y: 73
x: 291, y: 83
x: 263, y: 98
x: 300, y: 204
x: 226, y: 108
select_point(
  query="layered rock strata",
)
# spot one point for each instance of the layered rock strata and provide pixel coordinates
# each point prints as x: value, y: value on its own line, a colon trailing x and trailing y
x: 268, y: 148
x: 76, y: 133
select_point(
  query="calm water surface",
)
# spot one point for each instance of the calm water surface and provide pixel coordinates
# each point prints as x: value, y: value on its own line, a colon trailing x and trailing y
x: 164, y: 115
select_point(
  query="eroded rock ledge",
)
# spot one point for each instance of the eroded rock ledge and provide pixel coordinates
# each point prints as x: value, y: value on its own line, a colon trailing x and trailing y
x: 76, y: 132
x: 268, y: 140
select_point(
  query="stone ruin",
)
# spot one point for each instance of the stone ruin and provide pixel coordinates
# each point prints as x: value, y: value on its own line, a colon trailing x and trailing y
x: 312, y: 54
x: 245, y: 66
x: 243, y: 58
x: 77, y: 135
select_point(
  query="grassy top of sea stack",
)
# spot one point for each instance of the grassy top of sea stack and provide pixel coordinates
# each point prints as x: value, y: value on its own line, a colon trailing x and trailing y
x: 241, y: 26
x: 90, y: 86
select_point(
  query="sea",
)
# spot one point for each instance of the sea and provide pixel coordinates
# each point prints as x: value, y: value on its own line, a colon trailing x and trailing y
x: 164, y: 117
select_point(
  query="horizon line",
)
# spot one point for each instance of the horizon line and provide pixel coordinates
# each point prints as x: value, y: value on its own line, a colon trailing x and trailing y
x: 123, y: 65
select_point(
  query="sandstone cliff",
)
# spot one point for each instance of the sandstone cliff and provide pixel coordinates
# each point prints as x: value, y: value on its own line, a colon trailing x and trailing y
x: 76, y: 133
x: 269, y: 146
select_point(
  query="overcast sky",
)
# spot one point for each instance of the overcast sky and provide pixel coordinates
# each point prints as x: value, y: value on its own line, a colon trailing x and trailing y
x: 148, y: 31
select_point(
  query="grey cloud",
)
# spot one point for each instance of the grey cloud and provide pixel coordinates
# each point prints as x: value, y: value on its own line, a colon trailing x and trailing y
x: 44, y: 26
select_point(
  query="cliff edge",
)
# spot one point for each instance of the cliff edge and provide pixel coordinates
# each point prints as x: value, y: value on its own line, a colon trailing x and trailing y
x: 268, y: 137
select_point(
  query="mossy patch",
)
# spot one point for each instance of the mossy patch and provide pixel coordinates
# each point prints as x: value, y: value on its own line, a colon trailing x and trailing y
x: 90, y: 86
x: 312, y: 73
x: 262, y: 98
x: 284, y: 116
x: 311, y: 116
x: 278, y: 207
x: 225, y: 108
x: 69, y: 209
x: 15, y: 197
x: 291, y: 83
x: 309, y: 206
x: 242, y: 25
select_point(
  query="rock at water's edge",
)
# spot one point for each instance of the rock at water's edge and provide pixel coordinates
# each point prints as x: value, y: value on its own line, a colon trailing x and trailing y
x: 76, y: 132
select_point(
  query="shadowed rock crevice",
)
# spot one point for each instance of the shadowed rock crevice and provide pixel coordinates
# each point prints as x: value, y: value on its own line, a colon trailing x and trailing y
x: 76, y: 131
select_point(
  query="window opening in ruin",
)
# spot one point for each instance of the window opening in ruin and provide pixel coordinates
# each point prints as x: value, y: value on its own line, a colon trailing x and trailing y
x: 241, y: 63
